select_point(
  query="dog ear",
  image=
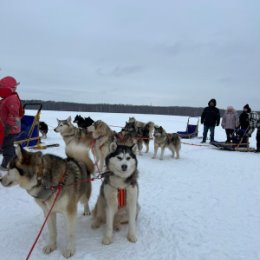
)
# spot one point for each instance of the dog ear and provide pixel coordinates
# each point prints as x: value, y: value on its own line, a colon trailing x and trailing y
x: 69, y: 119
x: 22, y: 155
x: 113, y: 147
x: 134, y: 148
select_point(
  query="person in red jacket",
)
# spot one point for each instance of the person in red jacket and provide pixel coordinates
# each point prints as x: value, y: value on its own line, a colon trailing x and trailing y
x: 11, y: 112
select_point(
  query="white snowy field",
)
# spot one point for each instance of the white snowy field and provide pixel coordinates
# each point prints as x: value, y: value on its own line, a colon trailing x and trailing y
x: 204, y: 206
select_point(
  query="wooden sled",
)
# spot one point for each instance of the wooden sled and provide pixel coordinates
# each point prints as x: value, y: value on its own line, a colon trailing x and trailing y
x: 239, y: 147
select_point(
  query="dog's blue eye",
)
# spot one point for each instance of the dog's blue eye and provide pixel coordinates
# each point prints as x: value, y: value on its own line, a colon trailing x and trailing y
x: 119, y: 158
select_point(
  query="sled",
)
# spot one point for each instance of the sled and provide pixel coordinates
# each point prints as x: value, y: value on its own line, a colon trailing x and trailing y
x: 191, y: 130
x: 239, y: 147
x: 42, y: 147
x: 29, y: 135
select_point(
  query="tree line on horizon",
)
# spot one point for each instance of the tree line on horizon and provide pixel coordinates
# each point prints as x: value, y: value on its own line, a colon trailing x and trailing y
x: 116, y: 108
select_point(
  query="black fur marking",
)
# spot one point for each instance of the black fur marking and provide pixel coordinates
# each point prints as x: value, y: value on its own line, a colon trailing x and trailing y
x: 121, y: 149
x: 43, y: 127
x: 83, y: 122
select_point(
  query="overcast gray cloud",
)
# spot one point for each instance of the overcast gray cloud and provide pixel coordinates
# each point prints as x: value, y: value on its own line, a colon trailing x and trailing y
x: 166, y: 52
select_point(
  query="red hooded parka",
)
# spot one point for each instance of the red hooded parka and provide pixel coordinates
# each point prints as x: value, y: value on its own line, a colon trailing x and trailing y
x: 11, y: 110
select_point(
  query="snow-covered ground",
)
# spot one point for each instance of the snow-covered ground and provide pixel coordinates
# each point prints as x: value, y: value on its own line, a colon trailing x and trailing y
x: 204, y: 206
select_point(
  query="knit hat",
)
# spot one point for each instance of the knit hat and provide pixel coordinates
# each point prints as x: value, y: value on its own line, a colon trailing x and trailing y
x: 9, y: 82
x: 247, y: 107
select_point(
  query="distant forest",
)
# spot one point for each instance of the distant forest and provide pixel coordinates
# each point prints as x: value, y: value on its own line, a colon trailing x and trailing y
x: 116, y: 108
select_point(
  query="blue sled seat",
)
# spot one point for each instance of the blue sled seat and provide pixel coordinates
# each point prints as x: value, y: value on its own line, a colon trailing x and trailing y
x: 29, y: 135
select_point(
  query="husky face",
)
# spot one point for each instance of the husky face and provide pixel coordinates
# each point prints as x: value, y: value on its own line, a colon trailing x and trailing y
x: 63, y: 125
x: 159, y: 132
x: 130, y: 127
x: 21, y: 170
x: 122, y: 160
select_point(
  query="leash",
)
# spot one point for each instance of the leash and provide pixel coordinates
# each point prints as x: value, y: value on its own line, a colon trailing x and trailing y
x: 59, y: 189
x: 195, y: 144
x: 116, y: 126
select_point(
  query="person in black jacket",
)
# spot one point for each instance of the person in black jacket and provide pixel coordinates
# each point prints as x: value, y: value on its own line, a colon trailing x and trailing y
x: 210, y: 117
x: 244, y: 118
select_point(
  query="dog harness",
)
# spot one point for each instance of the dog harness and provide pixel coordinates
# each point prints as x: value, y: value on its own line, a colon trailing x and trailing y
x: 121, y: 195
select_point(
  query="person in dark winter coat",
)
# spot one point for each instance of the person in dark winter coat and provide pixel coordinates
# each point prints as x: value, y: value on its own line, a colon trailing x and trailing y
x: 244, y: 118
x: 11, y: 112
x: 254, y: 122
x: 210, y: 117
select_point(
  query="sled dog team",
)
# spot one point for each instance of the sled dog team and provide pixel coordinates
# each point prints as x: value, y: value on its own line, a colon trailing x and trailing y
x: 114, y: 155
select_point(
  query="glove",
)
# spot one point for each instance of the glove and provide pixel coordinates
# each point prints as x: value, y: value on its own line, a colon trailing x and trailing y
x: 7, y: 130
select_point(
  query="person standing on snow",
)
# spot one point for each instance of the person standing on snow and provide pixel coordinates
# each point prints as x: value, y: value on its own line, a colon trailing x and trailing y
x: 244, y: 118
x: 11, y: 112
x: 210, y: 117
x: 254, y: 122
x: 230, y: 121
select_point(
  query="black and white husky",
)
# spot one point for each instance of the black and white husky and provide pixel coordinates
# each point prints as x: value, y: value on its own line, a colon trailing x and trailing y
x: 121, y: 176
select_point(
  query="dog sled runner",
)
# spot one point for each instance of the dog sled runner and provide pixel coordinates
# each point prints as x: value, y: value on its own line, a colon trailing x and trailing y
x: 191, y: 130
x: 239, y: 147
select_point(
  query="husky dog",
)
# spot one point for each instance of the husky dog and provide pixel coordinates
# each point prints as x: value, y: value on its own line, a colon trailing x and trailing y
x: 43, y: 128
x: 138, y: 124
x: 121, y: 175
x: 40, y: 175
x: 103, y: 136
x: 125, y: 138
x: 136, y: 135
x: 140, y: 132
x: 83, y: 122
x: 77, y: 142
x: 163, y: 140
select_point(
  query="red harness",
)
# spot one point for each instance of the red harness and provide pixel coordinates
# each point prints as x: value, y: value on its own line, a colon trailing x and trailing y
x: 121, y: 195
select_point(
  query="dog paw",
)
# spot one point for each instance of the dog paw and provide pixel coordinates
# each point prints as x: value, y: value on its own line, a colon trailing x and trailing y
x: 95, y: 225
x: 68, y: 252
x: 86, y: 213
x: 49, y: 248
x: 132, y: 238
x: 106, y: 240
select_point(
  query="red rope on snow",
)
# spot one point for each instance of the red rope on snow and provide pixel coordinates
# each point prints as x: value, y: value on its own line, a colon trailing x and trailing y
x: 59, y: 188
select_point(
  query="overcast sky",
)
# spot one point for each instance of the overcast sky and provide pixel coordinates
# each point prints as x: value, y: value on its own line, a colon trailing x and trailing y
x: 167, y: 52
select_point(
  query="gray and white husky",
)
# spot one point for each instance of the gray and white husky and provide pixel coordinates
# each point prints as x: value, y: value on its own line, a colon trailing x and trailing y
x: 77, y: 142
x: 122, y: 173
x: 163, y: 140
x: 40, y: 175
